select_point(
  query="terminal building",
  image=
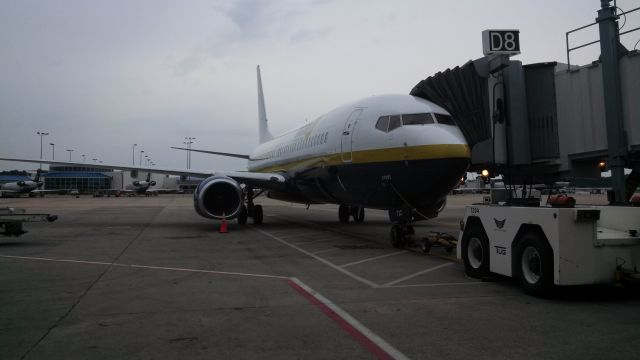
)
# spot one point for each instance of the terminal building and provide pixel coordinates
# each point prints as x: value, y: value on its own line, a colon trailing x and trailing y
x: 87, y: 179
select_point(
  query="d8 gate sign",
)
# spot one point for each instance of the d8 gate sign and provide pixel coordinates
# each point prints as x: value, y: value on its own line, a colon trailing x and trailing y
x: 501, y: 42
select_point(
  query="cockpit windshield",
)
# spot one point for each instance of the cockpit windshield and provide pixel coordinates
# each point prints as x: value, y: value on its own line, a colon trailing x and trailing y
x: 417, y: 119
x: 444, y: 119
x: 388, y: 123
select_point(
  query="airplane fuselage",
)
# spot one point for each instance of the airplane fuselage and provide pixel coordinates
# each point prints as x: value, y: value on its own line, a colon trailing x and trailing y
x: 348, y: 156
x: 20, y: 187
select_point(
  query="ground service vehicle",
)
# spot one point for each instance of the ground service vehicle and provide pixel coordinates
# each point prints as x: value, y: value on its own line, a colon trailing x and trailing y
x: 546, y: 246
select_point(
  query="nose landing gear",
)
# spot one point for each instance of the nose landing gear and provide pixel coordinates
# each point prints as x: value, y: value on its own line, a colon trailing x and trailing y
x: 347, y: 211
x: 400, y: 234
x: 401, y: 230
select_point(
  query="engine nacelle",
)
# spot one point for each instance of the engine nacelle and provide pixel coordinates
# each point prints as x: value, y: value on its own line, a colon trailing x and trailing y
x: 218, y: 195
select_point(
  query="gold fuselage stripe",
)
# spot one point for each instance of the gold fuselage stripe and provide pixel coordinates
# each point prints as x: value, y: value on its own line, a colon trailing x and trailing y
x: 403, y: 153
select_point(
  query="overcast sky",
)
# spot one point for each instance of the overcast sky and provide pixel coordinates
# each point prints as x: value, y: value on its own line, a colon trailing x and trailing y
x: 100, y: 76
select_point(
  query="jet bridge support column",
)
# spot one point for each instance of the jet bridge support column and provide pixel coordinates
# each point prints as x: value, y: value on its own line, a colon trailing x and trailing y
x: 610, y: 57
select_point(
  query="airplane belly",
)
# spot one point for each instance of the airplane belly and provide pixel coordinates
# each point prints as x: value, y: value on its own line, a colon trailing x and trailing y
x: 384, y: 185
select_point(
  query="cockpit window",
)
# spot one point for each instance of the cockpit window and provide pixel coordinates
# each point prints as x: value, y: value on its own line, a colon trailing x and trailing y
x: 383, y: 123
x: 394, y: 122
x: 391, y: 122
x: 444, y: 119
x: 417, y: 119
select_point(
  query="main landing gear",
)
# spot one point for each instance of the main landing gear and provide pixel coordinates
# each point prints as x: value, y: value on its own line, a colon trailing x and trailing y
x: 250, y: 210
x: 346, y: 211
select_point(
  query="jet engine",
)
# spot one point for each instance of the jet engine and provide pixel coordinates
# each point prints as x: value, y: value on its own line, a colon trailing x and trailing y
x: 217, y: 196
x: 144, y: 183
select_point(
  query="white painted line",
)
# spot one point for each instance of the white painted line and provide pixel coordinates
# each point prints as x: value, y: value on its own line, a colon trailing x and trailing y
x: 328, y: 263
x: 325, y: 251
x: 145, y: 267
x: 373, y: 258
x: 373, y: 342
x: 416, y: 274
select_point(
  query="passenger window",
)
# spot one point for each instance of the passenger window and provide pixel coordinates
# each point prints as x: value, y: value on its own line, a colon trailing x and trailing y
x: 383, y: 123
x: 417, y: 119
x: 394, y: 122
x: 444, y: 119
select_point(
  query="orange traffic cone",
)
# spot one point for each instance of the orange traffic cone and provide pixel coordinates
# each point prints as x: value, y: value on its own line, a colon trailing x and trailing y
x: 223, y: 225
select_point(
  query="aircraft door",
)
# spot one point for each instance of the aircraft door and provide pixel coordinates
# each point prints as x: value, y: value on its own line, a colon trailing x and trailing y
x: 347, y: 135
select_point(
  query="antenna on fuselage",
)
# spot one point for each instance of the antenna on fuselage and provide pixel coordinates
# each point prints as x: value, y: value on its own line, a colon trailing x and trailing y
x: 264, y: 134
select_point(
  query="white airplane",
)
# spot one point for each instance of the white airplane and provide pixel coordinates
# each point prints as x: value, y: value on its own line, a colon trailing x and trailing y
x: 392, y: 152
x: 29, y: 187
x: 138, y: 187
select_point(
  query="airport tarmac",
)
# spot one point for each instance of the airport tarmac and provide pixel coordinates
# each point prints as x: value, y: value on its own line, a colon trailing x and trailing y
x: 147, y: 278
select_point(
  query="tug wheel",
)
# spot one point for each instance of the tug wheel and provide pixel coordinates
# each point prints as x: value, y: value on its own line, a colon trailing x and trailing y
x: 534, y: 266
x: 475, y: 252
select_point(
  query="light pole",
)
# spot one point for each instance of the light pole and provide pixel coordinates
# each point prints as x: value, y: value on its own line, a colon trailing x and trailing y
x: 53, y: 151
x: 42, y: 134
x: 83, y: 159
x: 140, y: 162
x: 133, y: 155
x: 70, y: 151
x: 189, y: 142
x: 187, y: 145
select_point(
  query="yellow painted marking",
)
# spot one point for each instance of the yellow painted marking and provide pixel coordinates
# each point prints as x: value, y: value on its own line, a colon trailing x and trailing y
x: 423, y: 152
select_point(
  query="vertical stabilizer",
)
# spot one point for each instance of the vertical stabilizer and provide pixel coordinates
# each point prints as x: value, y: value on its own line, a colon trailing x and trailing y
x: 264, y: 134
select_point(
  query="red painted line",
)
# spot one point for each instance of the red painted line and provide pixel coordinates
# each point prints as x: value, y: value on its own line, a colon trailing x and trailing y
x: 373, y: 348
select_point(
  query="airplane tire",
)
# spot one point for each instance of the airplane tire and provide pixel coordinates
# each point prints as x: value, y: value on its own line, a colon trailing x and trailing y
x: 475, y: 252
x: 343, y: 213
x: 397, y: 236
x: 358, y: 214
x: 242, y: 215
x: 257, y: 214
x: 534, y: 266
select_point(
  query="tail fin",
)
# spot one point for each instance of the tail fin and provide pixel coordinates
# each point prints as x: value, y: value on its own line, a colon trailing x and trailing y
x: 264, y: 135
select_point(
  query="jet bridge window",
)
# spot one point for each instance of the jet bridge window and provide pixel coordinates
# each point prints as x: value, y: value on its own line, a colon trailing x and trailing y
x: 444, y: 119
x: 417, y: 119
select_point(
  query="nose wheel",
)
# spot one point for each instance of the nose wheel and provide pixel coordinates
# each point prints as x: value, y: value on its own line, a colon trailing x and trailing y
x: 400, y: 235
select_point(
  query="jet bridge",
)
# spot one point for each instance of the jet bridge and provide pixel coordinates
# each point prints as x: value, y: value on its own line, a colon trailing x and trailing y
x: 539, y: 122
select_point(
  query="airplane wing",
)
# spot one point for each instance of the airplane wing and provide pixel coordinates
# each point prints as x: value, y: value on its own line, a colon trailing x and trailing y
x: 240, y: 156
x: 270, y: 181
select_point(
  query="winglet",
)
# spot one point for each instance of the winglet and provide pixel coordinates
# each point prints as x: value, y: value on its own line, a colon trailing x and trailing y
x: 264, y: 135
